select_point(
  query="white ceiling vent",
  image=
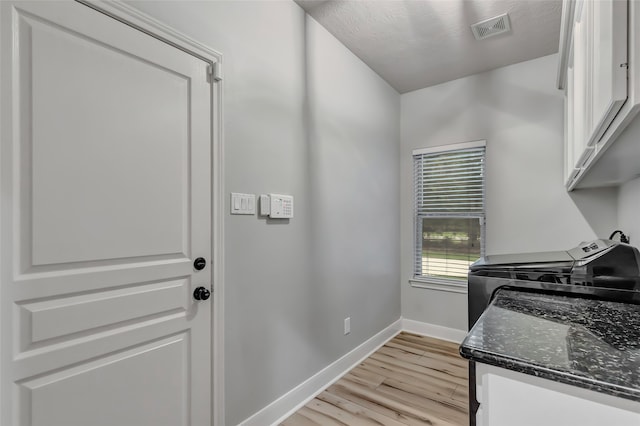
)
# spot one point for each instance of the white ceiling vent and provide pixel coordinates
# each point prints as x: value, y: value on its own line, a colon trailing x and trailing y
x: 490, y: 27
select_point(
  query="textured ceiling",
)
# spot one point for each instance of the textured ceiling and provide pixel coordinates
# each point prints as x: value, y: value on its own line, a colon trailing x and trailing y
x: 418, y: 43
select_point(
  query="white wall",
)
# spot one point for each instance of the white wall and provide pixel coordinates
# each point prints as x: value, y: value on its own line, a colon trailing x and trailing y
x: 629, y: 192
x: 303, y: 116
x: 629, y: 210
x: 519, y: 112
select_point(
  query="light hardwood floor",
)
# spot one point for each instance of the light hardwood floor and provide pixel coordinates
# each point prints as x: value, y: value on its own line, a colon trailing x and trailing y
x: 411, y: 380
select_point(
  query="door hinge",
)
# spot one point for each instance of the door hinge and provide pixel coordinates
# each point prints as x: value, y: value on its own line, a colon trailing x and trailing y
x: 215, y: 71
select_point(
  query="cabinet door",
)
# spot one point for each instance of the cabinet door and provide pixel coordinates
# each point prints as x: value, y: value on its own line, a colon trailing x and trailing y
x: 580, y: 84
x: 570, y: 170
x: 509, y: 398
x: 608, y: 64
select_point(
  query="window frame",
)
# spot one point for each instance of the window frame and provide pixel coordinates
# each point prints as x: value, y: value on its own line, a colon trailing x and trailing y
x: 434, y: 282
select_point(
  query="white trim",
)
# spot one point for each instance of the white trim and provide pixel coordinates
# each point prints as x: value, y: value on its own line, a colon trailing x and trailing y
x: 297, y: 397
x: 217, y: 261
x: 566, y: 35
x: 433, y: 330
x: 283, y: 407
x: 443, y: 285
x: 143, y: 22
x: 451, y: 147
x: 218, y: 283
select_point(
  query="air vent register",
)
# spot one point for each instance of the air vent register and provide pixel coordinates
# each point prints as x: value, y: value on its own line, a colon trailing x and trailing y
x: 491, y: 27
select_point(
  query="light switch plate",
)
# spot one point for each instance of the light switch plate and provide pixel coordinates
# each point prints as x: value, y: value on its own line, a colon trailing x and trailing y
x: 243, y: 203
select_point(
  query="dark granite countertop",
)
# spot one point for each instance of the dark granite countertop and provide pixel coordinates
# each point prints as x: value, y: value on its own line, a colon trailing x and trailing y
x: 592, y: 344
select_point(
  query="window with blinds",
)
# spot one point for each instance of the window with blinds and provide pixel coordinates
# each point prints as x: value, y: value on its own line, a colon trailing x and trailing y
x: 449, y: 210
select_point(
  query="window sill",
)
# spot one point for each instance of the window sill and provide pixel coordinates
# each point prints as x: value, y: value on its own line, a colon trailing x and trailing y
x: 440, y: 285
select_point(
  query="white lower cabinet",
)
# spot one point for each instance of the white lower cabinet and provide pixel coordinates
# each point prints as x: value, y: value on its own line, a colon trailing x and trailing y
x: 508, y: 398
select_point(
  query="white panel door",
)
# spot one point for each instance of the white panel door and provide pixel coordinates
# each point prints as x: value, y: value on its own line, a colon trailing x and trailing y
x: 105, y: 166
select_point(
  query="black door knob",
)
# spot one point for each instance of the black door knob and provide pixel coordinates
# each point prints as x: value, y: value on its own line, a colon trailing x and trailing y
x: 199, y: 263
x: 201, y: 293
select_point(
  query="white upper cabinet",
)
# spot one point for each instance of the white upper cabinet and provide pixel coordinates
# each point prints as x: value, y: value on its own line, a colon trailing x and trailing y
x: 600, y: 100
x: 579, y: 101
x: 608, y: 66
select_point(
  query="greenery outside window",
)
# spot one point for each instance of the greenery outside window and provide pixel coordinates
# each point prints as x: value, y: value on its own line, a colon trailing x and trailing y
x: 449, y: 212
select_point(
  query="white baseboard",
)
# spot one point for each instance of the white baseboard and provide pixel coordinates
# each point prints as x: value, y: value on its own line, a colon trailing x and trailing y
x: 433, y: 330
x: 296, y: 398
x: 299, y: 396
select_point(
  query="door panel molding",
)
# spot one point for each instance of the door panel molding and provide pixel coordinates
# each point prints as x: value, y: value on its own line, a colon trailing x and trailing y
x: 52, y: 389
x: 47, y: 320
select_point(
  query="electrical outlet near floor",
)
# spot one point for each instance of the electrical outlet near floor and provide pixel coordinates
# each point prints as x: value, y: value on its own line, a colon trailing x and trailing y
x: 347, y: 325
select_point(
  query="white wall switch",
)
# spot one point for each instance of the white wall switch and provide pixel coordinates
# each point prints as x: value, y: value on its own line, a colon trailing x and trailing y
x: 243, y: 203
x: 265, y: 205
x: 347, y: 325
x: 281, y: 206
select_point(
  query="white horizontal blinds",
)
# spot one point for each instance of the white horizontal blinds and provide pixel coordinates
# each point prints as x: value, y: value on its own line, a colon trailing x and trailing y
x: 450, y: 182
x: 449, y: 210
